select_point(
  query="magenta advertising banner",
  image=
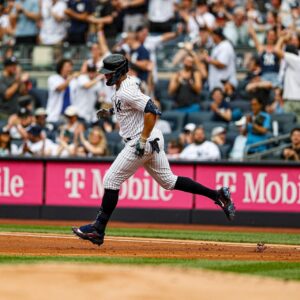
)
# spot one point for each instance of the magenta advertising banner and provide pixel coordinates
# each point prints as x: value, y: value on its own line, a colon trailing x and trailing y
x: 253, y: 188
x: 21, y: 183
x: 81, y: 184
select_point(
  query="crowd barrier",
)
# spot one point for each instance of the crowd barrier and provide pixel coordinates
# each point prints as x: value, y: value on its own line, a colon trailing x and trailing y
x: 265, y: 193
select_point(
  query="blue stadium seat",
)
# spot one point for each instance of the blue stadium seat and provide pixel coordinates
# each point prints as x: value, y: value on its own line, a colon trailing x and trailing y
x: 40, y: 96
x: 285, y: 121
x: 175, y: 118
x: 199, y: 118
x: 243, y: 105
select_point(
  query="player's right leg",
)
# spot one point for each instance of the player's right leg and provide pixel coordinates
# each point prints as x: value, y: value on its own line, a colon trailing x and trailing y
x: 122, y: 168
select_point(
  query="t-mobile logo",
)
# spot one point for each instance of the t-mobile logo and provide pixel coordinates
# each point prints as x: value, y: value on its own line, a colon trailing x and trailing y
x: 226, y: 179
x: 74, y: 180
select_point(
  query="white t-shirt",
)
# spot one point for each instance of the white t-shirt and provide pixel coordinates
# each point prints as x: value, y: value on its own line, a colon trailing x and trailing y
x: 207, y: 151
x: 224, y: 53
x: 85, y: 99
x: 151, y: 44
x: 50, y: 148
x: 207, y: 19
x: 129, y: 104
x: 53, y: 32
x: 161, y: 11
x: 55, y: 98
x: 291, y: 84
x: 4, y: 21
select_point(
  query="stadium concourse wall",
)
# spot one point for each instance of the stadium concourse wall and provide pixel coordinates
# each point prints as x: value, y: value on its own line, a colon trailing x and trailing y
x: 265, y: 193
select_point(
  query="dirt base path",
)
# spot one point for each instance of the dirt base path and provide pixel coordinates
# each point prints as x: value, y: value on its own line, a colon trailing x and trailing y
x: 104, y: 282
x: 63, y: 245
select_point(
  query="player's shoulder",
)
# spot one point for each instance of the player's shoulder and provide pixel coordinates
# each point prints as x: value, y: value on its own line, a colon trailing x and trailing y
x: 129, y: 85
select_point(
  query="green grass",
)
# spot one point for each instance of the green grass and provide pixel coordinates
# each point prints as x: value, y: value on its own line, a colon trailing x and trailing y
x: 224, y: 236
x: 283, y: 270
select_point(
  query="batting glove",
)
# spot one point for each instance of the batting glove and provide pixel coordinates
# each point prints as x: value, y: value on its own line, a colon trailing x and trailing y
x: 104, y: 113
x: 140, y: 148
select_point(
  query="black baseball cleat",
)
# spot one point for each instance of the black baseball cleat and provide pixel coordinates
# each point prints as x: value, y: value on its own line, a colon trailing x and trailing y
x: 90, y: 233
x: 225, y: 202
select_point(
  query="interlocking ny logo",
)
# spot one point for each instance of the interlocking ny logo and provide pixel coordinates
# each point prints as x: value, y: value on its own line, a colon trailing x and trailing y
x: 118, y: 105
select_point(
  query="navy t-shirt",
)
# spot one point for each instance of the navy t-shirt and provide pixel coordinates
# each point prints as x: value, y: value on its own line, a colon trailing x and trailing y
x: 80, y: 6
x: 141, y: 53
x: 269, y: 62
x: 223, y: 106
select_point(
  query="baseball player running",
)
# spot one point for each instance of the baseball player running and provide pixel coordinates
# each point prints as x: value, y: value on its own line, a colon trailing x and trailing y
x: 144, y: 146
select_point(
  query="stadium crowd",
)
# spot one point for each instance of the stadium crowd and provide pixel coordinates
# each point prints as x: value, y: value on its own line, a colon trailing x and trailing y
x: 211, y: 111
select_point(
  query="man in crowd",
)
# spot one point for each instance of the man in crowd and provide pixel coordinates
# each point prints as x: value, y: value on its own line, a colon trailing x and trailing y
x: 201, y: 149
x: 293, y: 152
x: 11, y: 88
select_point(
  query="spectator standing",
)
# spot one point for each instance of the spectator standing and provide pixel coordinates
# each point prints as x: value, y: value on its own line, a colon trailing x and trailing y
x: 291, y: 83
x: 161, y: 15
x: 89, y: 87
x: 258, y: 126
x: 152, y: 43
x: 134, y: 14
x: 78, y: 11
x: 53, y: 24
x: 236, y: 30
x: 98, y: 52
x: 269, y: 59
x: 220, y: 108
x: 201, y: 149
x: 200, y: 18
x: 140, y: 57
x: 293, y: 152
x: 6, y: 30
x: 27, y: 14
x: 185, y: 86
x: 60, y: 86
x: 11, y: 88
x: 221, y: 61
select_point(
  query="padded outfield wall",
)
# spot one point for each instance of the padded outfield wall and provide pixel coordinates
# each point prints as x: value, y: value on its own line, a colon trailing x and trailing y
x: 265, y: 193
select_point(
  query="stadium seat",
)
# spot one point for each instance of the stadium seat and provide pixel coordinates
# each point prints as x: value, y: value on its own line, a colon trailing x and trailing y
x: 243, y: 105
x: 199, y: 118
x: 113, y: 137
x: 40, y: 96
x: 161, y: 89
x: 285, y: 121
x: 42, y: 57
x: 225, y: 149
x: 175, y: 118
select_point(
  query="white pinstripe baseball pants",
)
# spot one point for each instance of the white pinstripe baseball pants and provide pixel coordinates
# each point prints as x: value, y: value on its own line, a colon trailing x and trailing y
x: 126, y: 164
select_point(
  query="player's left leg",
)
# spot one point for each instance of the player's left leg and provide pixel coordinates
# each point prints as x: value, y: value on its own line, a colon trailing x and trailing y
x: 159, y: 168
x: 122, y: 168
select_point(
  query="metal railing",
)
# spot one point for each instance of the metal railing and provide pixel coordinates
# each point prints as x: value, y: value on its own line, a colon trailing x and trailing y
x: 274, y: 142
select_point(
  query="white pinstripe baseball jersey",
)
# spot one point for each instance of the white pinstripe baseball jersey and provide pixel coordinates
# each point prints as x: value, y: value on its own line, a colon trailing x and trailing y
x: 129, y: 105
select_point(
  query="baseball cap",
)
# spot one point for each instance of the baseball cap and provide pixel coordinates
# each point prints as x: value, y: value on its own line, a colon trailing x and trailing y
x: 71, y: 111
x: 4, y: 130
x: 35, y: 130
x: 41, y: 111
x: 218, y: 130
x: 10, y: 61
x: 24, y: 112
x: 190, y: 127
x: 241, y: 122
